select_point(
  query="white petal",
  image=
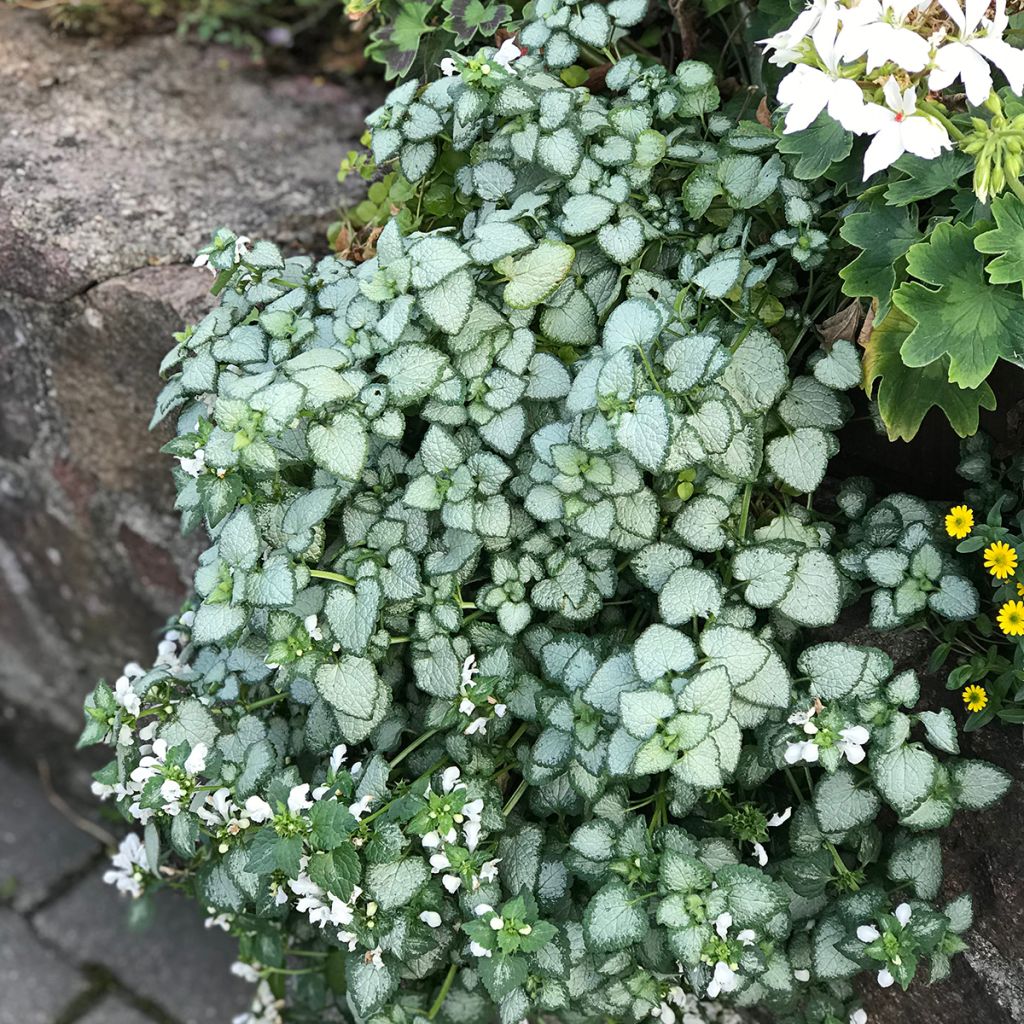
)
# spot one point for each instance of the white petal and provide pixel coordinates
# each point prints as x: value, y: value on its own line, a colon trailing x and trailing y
x: 761, y: 854
x: 855, y: 734
x: 449, y: 777
x: 723, y: 923
x: 859, y: 1016
x: 802, y: 975
x: 903, y: 914
x: 431, y: 919
x: 780, y: 819
x: 885, y: 979
x: 867, y: 933
x: 885, y: 149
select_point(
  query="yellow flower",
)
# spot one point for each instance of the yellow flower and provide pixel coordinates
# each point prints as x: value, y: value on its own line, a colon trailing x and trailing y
x: 1000, y: 559
x: 975, y: 698
x: 1020, y: 589
x: 1011, y: 618
x: 960, y: 521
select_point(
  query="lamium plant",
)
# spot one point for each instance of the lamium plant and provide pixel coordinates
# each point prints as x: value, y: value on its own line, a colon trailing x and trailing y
x: 504, y: 693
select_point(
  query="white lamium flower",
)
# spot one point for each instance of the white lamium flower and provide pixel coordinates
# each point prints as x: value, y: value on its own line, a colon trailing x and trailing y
x: 903, y: 913
x: 801, y: 750
x: 851, y: 743
x: 900, y: 128
x: 859, y: 1016
x: 126, y: 697
x: 448, y: 67
x: 338, y: 755
x: 431, y: 918
x: 196, y: 760
x: 773, y: 822
x: 298, y: 799
x: 312, y: 627
x: 508, y: 52
x: 979, y: 42
x: 867, y: 933
x: 361, y: 806
x: 477, y: 950
x: 128, y: 866
x: 258, y: 810
x: 807, y: 91
x: 876, y: 30
x: 885, y: 979
x: 450, y: 779
x: 802, y: 974
x: 724, y: 979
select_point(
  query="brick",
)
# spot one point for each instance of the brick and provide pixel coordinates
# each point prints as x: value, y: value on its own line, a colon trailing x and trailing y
x: 38, y: 845
x: 175, y: 962
x: 35, y: 984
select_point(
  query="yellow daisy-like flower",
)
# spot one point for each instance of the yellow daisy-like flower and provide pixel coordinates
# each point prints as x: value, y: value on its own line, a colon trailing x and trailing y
x: 1000, y: 559
x: 960, y: 521
x: 975, y: 698
x: 1011, y: 618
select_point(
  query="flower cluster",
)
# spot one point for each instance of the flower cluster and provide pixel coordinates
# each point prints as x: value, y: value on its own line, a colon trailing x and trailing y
x: 872, y: 66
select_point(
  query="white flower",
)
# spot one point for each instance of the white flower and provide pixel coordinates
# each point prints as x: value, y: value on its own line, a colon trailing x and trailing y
x: 722, y: 924
x: 203, y: 260
x: 773, y: 822
x: 723, y: 980
x: 449, y: 67
x: 859, y: 1016
x: 439, y: 862
x: 196, y: 760
x: 338, y: 755
x: 808, y: 91
x: 786, y: 43
x: 451, y: 883
x: 450, y: 780
x: 979, y: 41
x: 508, y: 52
x: 477, y: 950
x: 314, y: 631
x: 471, y: 833
x: 245, y: 971
x: 802, y: 974
x: 128, y: 866
x: 478, y: 725
x: 801, y: 750
x: 257, y: 809
x: 804, y: 719
x: 876, y: 28
x: 126, y: 697
x: 241, y: 247
x: 489, y: 871
x: 431, y: 919
x: 195, y: 465
x: 298, y: 798
x: 361, y: 806
x: 903, y: 913
x: 885, y: 979
x: 469, y: 669
x: 851, y: 743
x: 867, y: 933
x: 899, y: 128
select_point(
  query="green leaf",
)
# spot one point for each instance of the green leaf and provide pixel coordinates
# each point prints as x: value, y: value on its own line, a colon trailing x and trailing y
x: 613, y: 919
x: 919, y: 863
x: 341, y: 446
x: 351, y: 686
x: 904, y: 777
x: 884, y: 233
x: 215, y: 622
x: 644, y: 432
x: 393, y: 885
x: 582, y: 215
x: 906, y: 395
x: 690, y: 592
x: 368, y: 986
x: 964, y: 317
x: 643, y: 710
x: 502, y: 974
x: 927, y: 177
x: 823, y: 143
x: 814, y: 599
x: 1006, y: 240
x: 839, y: 805
x: 413, y: 371
x: 940, y: 729
x: 353, y: 614
x: 534, y: 276
x: 767, y: 571
x: 799, y: 459
x: 978, y: 784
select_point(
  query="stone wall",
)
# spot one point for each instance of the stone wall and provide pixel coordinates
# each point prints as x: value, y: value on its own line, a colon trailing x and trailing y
x: 115, y: 165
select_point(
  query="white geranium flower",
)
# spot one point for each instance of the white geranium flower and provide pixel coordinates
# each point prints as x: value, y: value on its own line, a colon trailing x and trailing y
x: 128, y: 866
x: 876, y: 29
x: 508, y: 52
x: 900, y: 128
x: 808, y: 91
x: 851, y: 743
x: 979, y: 42
x: 786, y: 43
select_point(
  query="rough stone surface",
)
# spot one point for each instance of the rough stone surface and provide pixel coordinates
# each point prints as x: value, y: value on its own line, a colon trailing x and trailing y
x: 176, y: 963
x: 39, y: 847
x: 115, y: 165
x: 35, y: 985
x: 113, y: 1011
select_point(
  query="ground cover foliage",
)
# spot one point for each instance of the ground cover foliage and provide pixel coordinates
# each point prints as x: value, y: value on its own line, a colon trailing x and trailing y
x: 504, y: 692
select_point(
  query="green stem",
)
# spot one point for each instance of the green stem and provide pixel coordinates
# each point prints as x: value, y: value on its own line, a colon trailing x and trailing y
x: 443, y: 994
x: 933, y: 109
x: 1015, y: 186
x: 514, y: 798
x: 419, y: 741
x: 517, y: 735
x: 324, y: 574
x: 264, y: 702
x: 745, y: 510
